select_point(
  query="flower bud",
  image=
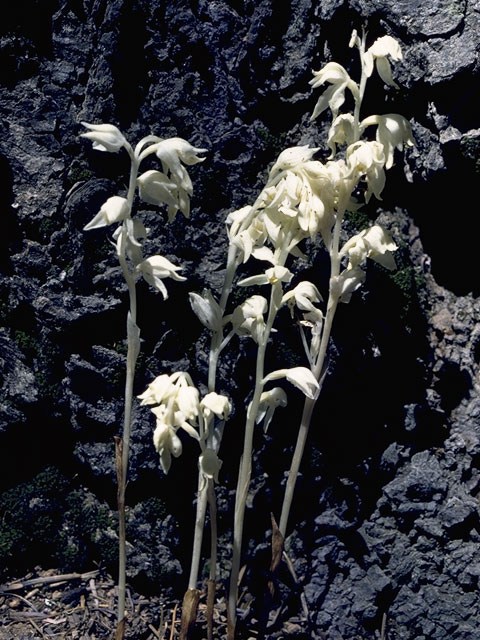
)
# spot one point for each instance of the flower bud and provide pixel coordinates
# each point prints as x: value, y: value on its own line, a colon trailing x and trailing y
x: 115, y: 209
x: 105, y: 137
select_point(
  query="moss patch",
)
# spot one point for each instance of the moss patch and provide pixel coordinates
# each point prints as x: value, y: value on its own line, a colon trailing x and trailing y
x: 49, y: 521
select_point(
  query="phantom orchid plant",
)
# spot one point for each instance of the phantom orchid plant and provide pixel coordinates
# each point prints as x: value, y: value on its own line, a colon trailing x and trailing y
x: 171, y: 187
x: 303, y: 198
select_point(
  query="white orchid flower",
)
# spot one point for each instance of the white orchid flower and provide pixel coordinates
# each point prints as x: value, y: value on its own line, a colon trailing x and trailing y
x: 251, y: 238
x: 342, y: 286
x: 271, y: 276
x: 210, y: 464
x: 215, y: 403
x: 187, y: 399
x: 292, y: 157
x: 374, y: 243
x: 377, y: 53
x: 207, y: 309
x: 269, y: 401
x: 127, y: 240
x: 334, y: 96
x: 236, y: 219
x: 300, y: 377
x: 367, y: 158
x: 167, y: 443
x: 393, y: 131
x: 342, y: 131
x: 247, y: 319
x: 157, y: 391
x: 105, y: 137
x: 303, y: 295
x: 172, y: 152
x: 115, y: 209
x: 155, y: 188
x: 155, y: 269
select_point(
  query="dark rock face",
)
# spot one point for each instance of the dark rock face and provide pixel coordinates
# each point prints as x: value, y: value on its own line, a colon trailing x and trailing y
x: 386, y: 518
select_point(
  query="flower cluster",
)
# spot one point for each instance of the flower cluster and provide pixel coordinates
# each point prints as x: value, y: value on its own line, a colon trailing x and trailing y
x: 176, y: 404
x: 171, y: 187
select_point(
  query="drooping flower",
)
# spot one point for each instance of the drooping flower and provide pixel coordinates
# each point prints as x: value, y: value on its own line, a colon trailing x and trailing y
x: 157, y: 391
x: 115, y: 209
x: 377, y: 53
x: 334, y: 96
x: 271, y: 276
x: 127, y: 240
x: 155, y: 269
x: 341, y: 132
x: 210, y: 464
x: 155, y: 188
x: 342, y: 286
x: 105, y: 137
x: 269, y: 401
x: 247, y: 319
x: 367, y: 158
x: 393, y: 131
x: 300, y: 377
x: 215, y: 403
x: 303, y: 295
x: 292, y: 157
x: 172, y: 152
x: 374, y: 243
x: 167, y: 443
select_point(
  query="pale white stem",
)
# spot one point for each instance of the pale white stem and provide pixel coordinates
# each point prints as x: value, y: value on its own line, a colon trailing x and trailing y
x: 132, y: 354
x: 246, y: 462
x: 198, y: 532
x: 217, y: 344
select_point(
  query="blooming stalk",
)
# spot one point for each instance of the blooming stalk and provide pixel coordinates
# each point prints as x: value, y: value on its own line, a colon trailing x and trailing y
x: 172, y: 188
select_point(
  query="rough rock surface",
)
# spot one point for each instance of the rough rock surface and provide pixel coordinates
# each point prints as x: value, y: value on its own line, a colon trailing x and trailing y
x: 386, y: 520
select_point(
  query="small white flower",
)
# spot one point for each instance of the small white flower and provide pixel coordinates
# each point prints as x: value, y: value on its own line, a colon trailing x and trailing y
x: 207, y: 309
x: 187, y: 399
x: 374, y: 243
x: 105, y: 137
x: 157, y: 391
x: 236, y: 219
x: 167, y: 443
x: 210, y: 464
x: 115, y: 209
x: 215, y: 403
x: 269, y: 401
x: 271, y: 276
x: 341, y: 132
x: 342, y: 286
x: 303, y: 295
x: 377, y: 53
x: 172, y: 152
x: 127, y: 240
x: 368, y: 159
x: 300, y: 377
x: 334, y: 96
x: 155, y: 269
x: 292, y: 157
x: 393, y: 131
x: 155, y: 188
x: 247, y: 319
